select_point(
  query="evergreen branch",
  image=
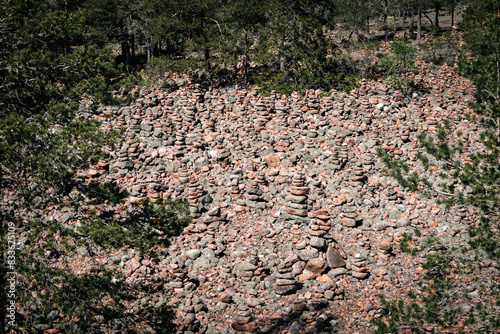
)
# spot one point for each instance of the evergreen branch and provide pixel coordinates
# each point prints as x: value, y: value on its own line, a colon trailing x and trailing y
x: 440, y: 192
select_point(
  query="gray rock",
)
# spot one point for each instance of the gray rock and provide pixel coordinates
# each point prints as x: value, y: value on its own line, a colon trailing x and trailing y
x: 316, y: 242
x: 82, y: 251
x: 53, y: 314
x: 337, y: 272
x: 193, y: 253
x: 334, y: 258
x: 307, y: 254
x: 245, y: 266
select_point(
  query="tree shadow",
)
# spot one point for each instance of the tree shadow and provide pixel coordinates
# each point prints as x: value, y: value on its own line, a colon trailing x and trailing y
x: 277, y: 325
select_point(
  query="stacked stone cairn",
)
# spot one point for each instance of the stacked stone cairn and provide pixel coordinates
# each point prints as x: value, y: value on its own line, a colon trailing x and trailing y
x: 195, y: 191
x: 244, y: 319
x: 358, y: 175
x: 320, y: 225
x: 254, y: 195
x: 235, y: 181
x: 286, y: 282
x: 297, y: 207
x: 359, y: 268
x: 349, y: 216
x: 180, y: 143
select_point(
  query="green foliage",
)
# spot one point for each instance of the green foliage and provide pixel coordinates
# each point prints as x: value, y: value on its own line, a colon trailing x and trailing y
x: 148, y: 225
x: 474, y: 183
x: 399, y: 63
x: 405, y: 245
x: 95, y: 299
x: 49, y: 65
x: 432, y: 302
x: 47, y: 284
x: 399, y: 170
x: 482, y: 36
x: 296, y: 58
x: 441, y: 49
x: 217, y: 42
x: 103, y: 192
x: 354, y: 15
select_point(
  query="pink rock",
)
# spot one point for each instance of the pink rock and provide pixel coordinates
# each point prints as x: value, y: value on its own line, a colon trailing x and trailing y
x: 384, y: 245
x: 316, y: 265
x: 360, y: 275
x: 334, y: 258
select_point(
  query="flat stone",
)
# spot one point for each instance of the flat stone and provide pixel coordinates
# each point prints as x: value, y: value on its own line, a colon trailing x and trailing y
x: 334, y: 258
x: 248, y: 327
x: 324, y: 279
x: 282, y: 281
x: 348, y: 222
x: 193, y: 254
x: 384, y: 245
x: 316, y: 242
x: 360, y: 275
x: 283, y: 290
x: 316, y: 265
x: 296, y: 212
x: 253, y: 302
x: 245, y: 266
x: 298, y: 199
x: 307, y: 254
x: 306, y: 276
x: 300, y: 191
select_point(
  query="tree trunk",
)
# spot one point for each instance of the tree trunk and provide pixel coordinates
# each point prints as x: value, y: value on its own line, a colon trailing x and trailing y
x: 436, y: 18
x: 386, y: 7
x: 126, y: 55
x: 149, y: 51
x: 368, y: 29
x: 452, y: 14
x: 156, y: 49
x: 355, y: 32
x: 281, y: 58
x: 419, y: 25
x: 410, y: 28
x: 132, y: 53
x: 245, y: 60
x: 395, y: 22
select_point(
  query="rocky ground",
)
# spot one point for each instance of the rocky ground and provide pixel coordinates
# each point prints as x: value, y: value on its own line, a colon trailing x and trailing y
x: 296, y: 225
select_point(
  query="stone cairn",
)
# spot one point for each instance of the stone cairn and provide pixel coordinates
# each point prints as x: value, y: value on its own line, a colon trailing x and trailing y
x: 349, y: 216
x: 235, y: 181
x: 390, y: 194
x: 263, y: 115
x: 194, y: 192
x: 297, y: 208
x: 358, y: 175
x: 222, y: 154
x: 368, y: 164
x: 180, y: 143
x: 254, y: 193
x: 359, y: 268
x: 343, y: 155
x: 320, y: 225
x: 285, y: 279
x: 244, y: 319
x: 336, y: 161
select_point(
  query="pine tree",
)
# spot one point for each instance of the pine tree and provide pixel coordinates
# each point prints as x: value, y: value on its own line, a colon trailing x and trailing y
x: 475, y: 183
x: 48, y: 67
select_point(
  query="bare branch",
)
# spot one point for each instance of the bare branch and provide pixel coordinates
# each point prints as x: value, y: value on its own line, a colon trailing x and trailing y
x: 216, y: 22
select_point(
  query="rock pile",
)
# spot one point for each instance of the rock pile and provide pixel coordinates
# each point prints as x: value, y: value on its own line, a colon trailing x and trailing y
x: 297, y: 207
x: 292, y: 209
